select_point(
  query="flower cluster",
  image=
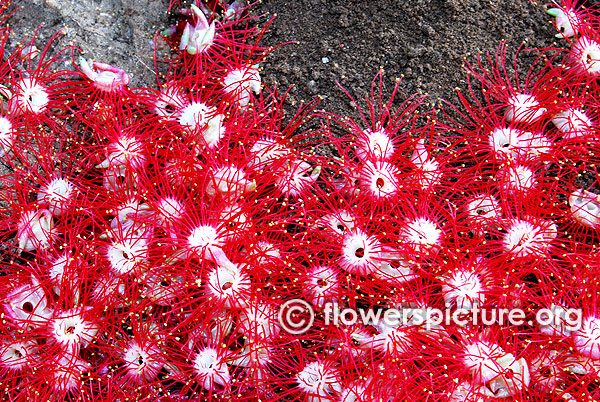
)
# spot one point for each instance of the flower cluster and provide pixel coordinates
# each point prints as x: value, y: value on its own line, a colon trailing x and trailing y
x: 150, y: 237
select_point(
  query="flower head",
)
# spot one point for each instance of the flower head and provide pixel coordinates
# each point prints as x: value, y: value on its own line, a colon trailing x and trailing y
x: 318, y: 381
x: 57, y: 195
x: 64, y: 273
x: 587, y: 337
x: 501, y: 373
x: 258, y: 321
x: 128, y: 254
x: 229, y: 285
x: 516, y: 179
x: 241, y: 83
x: 422, y: 235
x: 464, y: 289
x: 104, y: 76
x: 525, y: 238
x: 360, y: 253
x: 511, y: 143
x: 523, y: 108
x: 428, y: 171
x: 18, y: 355
x: 379, y: 180
x: 35, y: 230
x: 483, y: 211
x: 197, y: 38
x: 295, y: 178
x: 374, y: 146
x: 210, y: 367
x: 395, y: 266
x: 142, y: 360
x: 27, y: 305
x: 585, y: 207
x: 30, y: 97
x: 321, y: 284
x: 585, y: 55
x: 574, y: 124
x: 230, y: 183
x: 206, y: 242
x: 568, y: 22
x: 71, y: 330
x: 127, y: 151
x: 202, y: 125
x: 267, y: 153
x: 7, y: 136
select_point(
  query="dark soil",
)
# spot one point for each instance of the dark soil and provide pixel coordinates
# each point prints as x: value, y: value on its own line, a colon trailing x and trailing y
x: 423, y: 41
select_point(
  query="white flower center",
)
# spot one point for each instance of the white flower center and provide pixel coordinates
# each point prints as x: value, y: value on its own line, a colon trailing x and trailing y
x: 196, y: 115
x: 374, y: 146
x: 56, y: 195
x: 379, y: 179
x: 7, y: 136
x: 258, y: 321
x: 523, y: 108
x: 338, y: 222
x: 321, y: 284
x: 204, y: 237
x: 390, y: 339
x: 585, y: 207
x: 169, y: 102
x: 241, y: 83
x: 573, y: 124
x: 423, y: 234
x: 526, y: 239
x: 229, y: 285
x: 319, y: 381
x: 586, y: 53
x: 395, y: 266
x: 295, y: 177
x: 229, y: 182
x: 32, y: 97
x: 516, y: 179
x: 211, y: 369
x: 505, y: 141
x: 127, y: 152
x: 35, y: 230
x: 360, y: 253
x: 28, y: 304
x: 483, y: 209
x: 587, y: 338
x: 128, y: 255
x: 71, y: 330
x: 481, y: 360
x: 141, y: 361
x: 463, y: 289
x: 266, y: 152
x: 17, y: 355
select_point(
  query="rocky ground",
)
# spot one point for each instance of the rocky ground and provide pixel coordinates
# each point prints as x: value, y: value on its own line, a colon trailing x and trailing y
x: 118, y: 32
x: 330, y: 41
